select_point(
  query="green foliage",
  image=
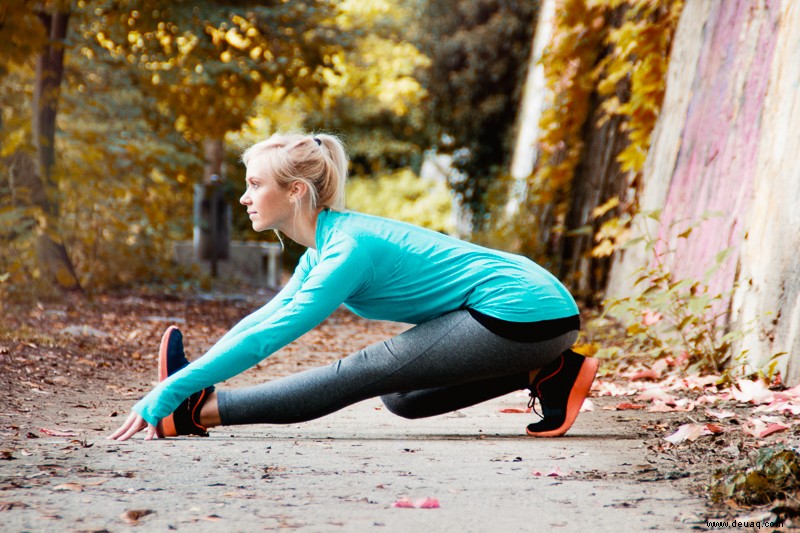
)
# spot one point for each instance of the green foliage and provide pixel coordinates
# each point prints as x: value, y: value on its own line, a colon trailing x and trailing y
x: 402, y: 195
x: 775, y: 474
x: 479, y: 53
x: 677, y: 317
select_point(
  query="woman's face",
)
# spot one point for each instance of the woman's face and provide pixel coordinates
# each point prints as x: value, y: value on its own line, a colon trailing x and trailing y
x: 269, y: 205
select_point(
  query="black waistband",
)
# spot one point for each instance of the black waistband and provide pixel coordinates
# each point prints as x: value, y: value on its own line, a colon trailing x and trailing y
x: 539, y: 331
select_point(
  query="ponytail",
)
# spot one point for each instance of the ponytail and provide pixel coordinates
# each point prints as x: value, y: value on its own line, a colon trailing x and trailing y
x: 319, y: 161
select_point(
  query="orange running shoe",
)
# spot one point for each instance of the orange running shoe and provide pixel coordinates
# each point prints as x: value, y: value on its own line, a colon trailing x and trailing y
x: 561, y: 387
x: 185, y: 419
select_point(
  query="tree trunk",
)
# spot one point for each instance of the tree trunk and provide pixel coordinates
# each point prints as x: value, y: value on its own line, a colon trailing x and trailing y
x: 597, y: 179
x: 51, y: 252
x: 212, y: 214
x: 214, y: 153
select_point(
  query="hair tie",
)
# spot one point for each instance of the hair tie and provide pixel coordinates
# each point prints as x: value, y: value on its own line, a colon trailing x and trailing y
x: 319, y: 143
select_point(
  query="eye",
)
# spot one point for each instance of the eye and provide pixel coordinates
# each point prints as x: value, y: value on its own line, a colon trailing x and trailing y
x: 253, y: 185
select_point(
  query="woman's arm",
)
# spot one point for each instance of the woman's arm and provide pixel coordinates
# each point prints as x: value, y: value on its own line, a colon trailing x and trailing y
x: 342, y: 271
x: 281, y: 299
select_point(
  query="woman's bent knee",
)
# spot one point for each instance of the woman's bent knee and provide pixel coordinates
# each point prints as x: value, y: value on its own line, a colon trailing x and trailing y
x: 397, y: 405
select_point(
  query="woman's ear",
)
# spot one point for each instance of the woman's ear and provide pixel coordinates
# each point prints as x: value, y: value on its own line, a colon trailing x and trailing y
x: 298, y: 190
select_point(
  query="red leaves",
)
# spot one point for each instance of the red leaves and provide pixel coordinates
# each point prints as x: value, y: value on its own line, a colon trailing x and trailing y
x: 692, y: 432
x: 554, y: 472
x: 754, y: 392
x: 59, y: 432
x: 667, y: 394
x: 764, y: 426
x: 425, y: 503
x: 627, y: 406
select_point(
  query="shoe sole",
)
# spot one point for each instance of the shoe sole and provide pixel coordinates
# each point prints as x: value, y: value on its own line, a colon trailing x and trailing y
x: 579, y: 392
x: 166, y: 427
x: 162, y: 354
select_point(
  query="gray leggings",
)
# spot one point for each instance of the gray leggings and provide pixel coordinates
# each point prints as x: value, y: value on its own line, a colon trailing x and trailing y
x: 436, y: 367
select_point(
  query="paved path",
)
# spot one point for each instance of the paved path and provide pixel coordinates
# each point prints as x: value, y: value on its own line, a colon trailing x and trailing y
x: 345, y: 471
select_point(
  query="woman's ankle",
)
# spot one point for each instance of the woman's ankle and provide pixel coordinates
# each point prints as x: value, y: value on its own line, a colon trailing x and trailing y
x: 209, y: 413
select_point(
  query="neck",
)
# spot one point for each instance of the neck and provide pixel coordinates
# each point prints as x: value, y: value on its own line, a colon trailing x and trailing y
x: 303, y: 229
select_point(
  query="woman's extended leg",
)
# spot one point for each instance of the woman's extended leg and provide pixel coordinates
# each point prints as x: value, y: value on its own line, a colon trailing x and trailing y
x: 452, y: 350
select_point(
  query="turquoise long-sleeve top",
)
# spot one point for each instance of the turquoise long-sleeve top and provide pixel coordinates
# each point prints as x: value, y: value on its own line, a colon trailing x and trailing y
x: 379, y: 269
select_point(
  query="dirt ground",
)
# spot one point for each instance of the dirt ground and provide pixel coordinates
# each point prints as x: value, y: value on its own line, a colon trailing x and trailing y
x: 71, y: 372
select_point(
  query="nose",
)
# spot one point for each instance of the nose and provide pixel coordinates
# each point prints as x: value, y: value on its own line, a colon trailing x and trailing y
x: 244, y: 200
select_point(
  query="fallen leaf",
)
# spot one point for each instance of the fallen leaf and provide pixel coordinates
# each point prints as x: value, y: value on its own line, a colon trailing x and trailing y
x: 7, y: 455
x: 627, y: 406
x: 514, y: 410
x: 654, y: 393
x: 607, y: 388
x: 714, y: 398
x: 586, y: 350
x: 556, y: 472
x: 780, y: 407
x: 59, y: 432
x: 132, y: 516
x: 587, y: 405
x: 684, y: 405
x: 427, y: 503
x: 424, y: 503
x: 699, y: 382
x: 789, y: 394
x: 690, y: 432
x: 763, y: 427
x: 720, y: 415
x: 78, y: 486
x: 647, y: 373
x: 745, y: 390
x: 7, y: 506
x: 403, y: 503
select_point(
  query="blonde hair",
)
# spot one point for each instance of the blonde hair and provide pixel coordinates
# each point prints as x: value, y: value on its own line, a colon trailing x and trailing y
x: 319, y: 161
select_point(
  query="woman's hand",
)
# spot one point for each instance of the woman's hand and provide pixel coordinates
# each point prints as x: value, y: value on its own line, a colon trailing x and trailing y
x: 133, y: 425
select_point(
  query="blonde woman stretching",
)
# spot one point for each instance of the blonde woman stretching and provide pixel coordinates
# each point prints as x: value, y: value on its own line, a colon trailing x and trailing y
x: 486, y: 322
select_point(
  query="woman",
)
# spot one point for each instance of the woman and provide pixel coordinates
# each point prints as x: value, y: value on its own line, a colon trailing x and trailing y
x: 487, y: 322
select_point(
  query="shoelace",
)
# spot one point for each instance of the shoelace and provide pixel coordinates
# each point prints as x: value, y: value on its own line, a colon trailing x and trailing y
x: 535, y: 393
x: 532, y: 404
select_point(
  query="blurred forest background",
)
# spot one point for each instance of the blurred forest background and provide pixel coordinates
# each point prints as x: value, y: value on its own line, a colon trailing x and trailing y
x: 112, y: 111
x: 523, y: 125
